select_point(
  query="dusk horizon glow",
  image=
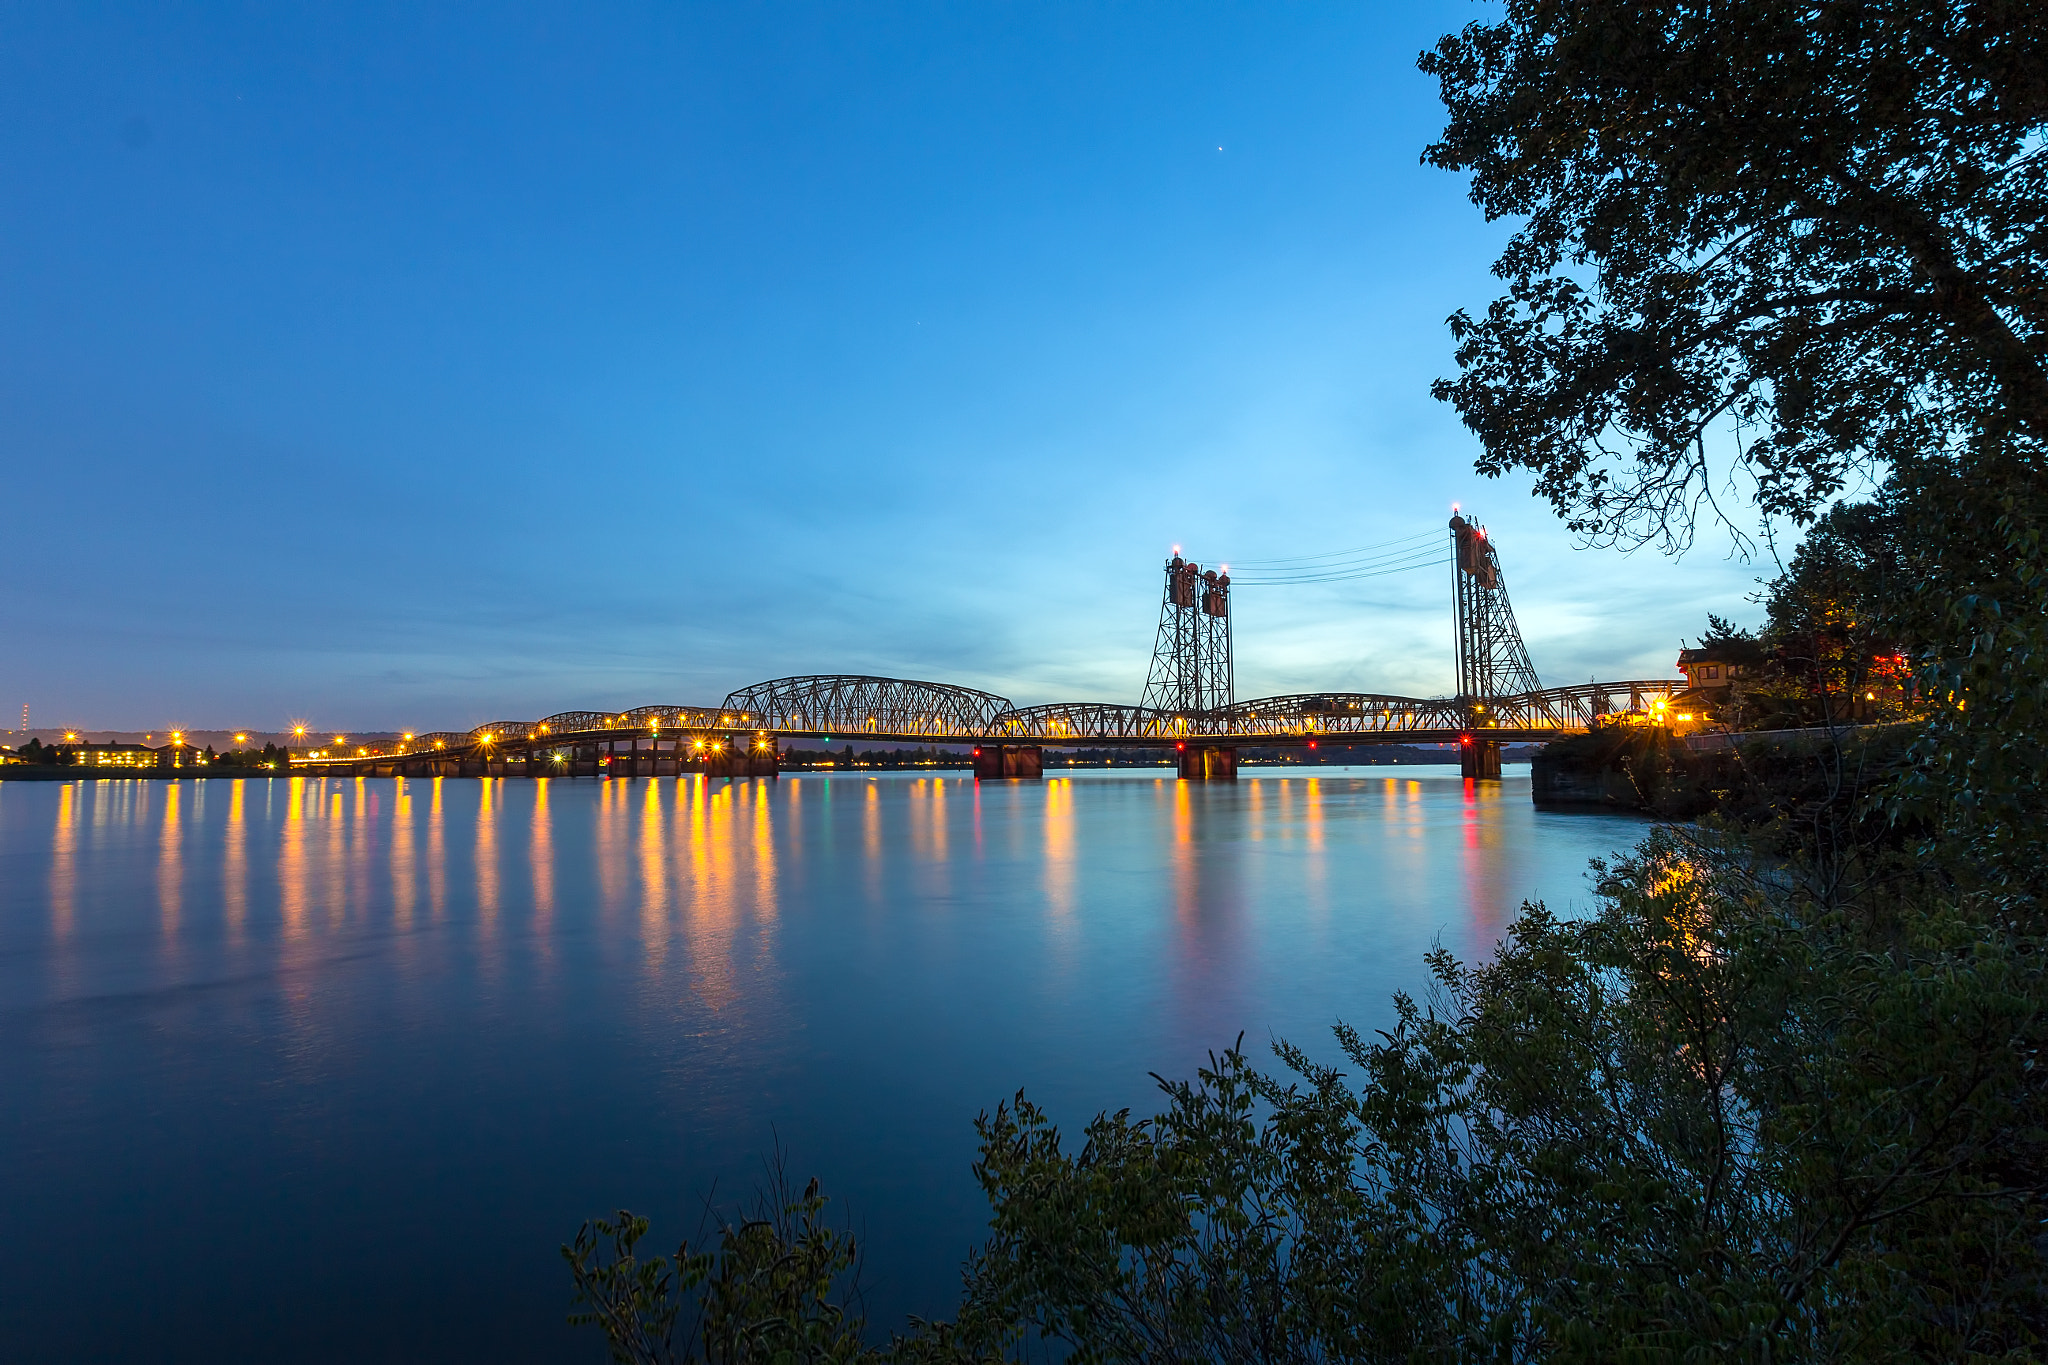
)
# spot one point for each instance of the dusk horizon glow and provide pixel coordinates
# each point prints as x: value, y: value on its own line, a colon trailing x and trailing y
x: 407, y: 369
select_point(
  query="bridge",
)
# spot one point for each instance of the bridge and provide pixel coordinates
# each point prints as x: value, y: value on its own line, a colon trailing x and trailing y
x: 1188, y: 707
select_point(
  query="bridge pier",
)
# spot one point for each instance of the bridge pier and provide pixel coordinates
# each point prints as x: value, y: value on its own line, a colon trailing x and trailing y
x: 739, y: 758
x: 1009, y: 760
x: 1479, y: 758
x: 1208, y: 763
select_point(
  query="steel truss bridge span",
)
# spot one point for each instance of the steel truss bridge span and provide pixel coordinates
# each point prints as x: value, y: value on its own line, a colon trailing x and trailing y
x: 897, y: 710
x: 1189, y: 705
x: 1347, y: 717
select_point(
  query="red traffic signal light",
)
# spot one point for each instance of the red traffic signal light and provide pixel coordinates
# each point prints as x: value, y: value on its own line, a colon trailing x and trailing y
x: 1465, y: 739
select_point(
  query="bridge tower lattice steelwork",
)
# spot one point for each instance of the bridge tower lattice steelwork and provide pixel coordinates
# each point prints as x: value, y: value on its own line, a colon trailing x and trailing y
x: 1492, y: 660
x: 1191, y: 670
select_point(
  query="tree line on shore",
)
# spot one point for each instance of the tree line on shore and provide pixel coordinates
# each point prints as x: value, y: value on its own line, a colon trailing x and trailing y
x: 1779, y: 1097
x: 37, y: 753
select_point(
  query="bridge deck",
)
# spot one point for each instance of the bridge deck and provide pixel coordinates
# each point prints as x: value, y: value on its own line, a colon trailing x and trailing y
x: 898, y: 711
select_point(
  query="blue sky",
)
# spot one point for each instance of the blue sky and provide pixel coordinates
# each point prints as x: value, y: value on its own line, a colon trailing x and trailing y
x: 412, y: 366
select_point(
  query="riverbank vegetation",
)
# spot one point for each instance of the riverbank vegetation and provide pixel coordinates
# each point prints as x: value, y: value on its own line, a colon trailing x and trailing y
x: 1779, y: 1097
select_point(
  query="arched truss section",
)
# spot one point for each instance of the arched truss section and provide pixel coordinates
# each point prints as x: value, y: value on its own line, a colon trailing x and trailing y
x: 500, y: 732
x: 835, y: 704
x: 1079, y: 721
x: 439, y: 739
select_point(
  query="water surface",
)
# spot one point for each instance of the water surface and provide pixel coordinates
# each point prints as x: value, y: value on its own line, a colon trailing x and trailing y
x: 302, y: 1069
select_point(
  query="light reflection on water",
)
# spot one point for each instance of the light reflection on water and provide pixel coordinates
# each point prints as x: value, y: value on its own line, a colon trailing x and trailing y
x: 275, y: 1039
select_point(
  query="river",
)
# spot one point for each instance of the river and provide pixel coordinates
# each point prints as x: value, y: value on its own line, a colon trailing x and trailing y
x: 325, y: 1070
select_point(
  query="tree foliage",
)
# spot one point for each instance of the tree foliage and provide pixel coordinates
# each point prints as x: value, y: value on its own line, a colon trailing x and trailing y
x: 1976, y: 544
x: 1813, y: 229
x: 1833, y: 648
x: 780, y: 1286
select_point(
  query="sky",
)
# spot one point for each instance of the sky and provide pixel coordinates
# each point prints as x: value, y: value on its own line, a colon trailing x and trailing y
x: 413, y: 365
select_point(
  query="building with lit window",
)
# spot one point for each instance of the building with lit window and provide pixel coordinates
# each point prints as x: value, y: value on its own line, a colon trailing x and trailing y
x: 110, y: 755
x: 1710, y: 671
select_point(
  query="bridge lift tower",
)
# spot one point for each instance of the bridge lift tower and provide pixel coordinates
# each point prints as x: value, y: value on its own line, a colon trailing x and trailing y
x: 1492, y: 660
x: 1191, y: 669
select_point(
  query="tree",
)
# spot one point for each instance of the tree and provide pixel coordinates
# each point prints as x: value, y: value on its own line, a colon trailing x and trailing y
x: 1809, y: 230
x: 1835, y: 614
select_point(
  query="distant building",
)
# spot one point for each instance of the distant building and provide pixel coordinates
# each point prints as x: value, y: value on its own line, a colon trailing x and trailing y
x: 134, y: 756
x: 10, y: 755
x: 1709, y: 671
x: 110, y: 755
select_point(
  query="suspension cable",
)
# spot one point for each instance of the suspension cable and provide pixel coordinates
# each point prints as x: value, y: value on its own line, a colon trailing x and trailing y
x: 1381, y: 550
x: 1423, y: 557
